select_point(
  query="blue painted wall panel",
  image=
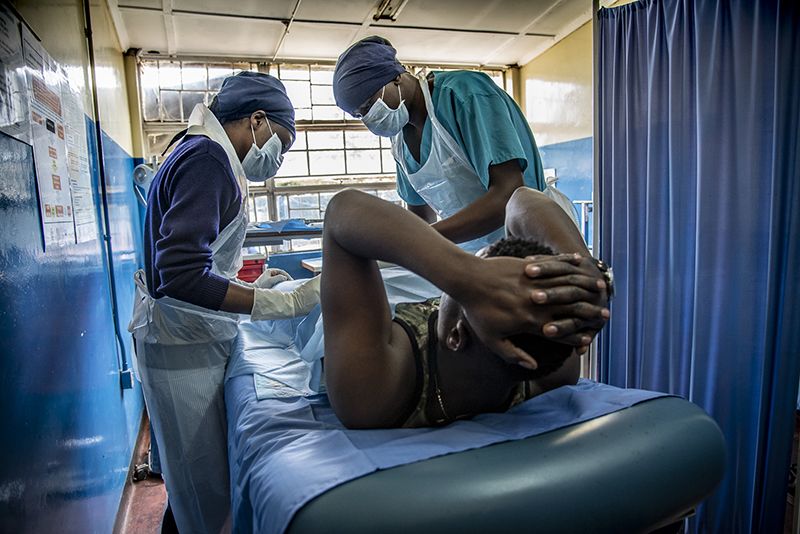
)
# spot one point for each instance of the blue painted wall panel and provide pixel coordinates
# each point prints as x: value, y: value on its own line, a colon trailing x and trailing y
x: 290, y: 262
x: 573, y: 163
x: 126, y: 238
x: 69, y: 428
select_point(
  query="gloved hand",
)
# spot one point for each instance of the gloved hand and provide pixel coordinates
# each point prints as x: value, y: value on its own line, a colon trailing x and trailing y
x: 273, y: 304
x: 267, y: 279
x: 271, y: 277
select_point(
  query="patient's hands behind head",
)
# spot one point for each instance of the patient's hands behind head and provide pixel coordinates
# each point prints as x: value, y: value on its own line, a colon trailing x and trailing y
x: 549, y: 354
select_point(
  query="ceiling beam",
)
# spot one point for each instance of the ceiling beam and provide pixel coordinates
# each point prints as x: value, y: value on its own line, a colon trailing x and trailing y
x: 343, y: 24
x: 365, y: 24
x: 169, y: 26
x: 119, y: 24
x: 513, y: 40
x: 214, y: 58
x: 566, y: 30
x: 286, y: 30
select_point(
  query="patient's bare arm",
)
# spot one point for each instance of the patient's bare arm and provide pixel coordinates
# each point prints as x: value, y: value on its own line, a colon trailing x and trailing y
x: 532, y: 215
x: 367, y: 356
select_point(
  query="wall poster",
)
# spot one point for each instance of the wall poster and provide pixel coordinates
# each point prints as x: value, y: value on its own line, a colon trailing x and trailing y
x: 40, y: 107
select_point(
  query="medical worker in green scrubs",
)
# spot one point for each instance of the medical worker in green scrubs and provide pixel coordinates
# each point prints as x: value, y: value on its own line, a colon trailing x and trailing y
x: 461, y: 143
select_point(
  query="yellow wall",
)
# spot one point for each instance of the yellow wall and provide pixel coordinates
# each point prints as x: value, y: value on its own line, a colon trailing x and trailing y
x: 556, y: 90
x: 59, y: 24
x: 111, y: 83
x: 60, y: 27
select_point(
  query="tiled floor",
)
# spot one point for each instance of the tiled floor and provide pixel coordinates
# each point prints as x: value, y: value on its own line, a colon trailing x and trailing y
x: 143, y: 503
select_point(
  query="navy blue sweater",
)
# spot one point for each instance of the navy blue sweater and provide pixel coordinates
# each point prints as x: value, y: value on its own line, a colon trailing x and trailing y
x: 192, y: 198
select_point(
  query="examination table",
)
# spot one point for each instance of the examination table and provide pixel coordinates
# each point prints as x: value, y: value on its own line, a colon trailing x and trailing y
x: 606, y: 460
x: 635, y: 470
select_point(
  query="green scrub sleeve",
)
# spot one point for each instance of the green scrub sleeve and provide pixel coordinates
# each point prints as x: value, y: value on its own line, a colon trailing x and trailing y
x: 488, y: 134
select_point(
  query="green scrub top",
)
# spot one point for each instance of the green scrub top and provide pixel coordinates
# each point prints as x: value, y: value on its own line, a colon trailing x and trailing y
x: 485, y: 121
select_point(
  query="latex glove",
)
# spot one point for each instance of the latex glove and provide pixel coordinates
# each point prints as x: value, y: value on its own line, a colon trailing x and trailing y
x: 274, y: 304
x: 271, y: 277
x: 267, y: 279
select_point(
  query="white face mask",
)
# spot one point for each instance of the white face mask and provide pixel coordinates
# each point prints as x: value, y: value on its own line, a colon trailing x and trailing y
x: 262, y: 163
x: 385, y: 121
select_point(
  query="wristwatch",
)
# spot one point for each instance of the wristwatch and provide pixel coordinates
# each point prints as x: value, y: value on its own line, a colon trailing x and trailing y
x: 608, y: 275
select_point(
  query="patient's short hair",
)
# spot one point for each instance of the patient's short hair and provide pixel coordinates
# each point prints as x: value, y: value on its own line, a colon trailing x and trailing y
x: 549, y: 354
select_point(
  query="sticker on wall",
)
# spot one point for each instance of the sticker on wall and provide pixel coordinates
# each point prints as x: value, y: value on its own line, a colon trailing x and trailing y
x: 80, y: 178
x: 13, y: 94
x: 56, y: 129
x: 48, y: 137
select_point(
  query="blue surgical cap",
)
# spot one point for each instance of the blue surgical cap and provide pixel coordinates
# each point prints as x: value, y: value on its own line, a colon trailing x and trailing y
x: 247, y: 92
x: 362, y: 69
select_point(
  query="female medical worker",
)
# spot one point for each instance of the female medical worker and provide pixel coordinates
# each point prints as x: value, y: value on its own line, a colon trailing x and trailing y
x: 185, y: 317
x: 462, y: 145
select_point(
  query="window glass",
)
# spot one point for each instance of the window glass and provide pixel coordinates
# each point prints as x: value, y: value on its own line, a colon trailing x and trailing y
x: 306, y: 244
x: 324, y: 198
x: 251, y: 209
x: 325, y: 139
x: 294, y: 164
x: 216, y: 74
x: 194, y: 76
x: 305, y: 214
x: 171, y: 105
x: 322, y: 94
x: 299, y: 141
x: 322, y: 74
x: 189, y: 100
x: 283, y: 207
x: 328, y: 113
x: 299, y: 93
x: 169, y: 75
x: 302, y: 114
x: 390, y: 195
x: 150, y: 104
x: 361, y: 139
x: 363, y: 161
x: 332, y: 150
x: 294, y: 72
x: 304, y: 201
x: 389, y: 164
x: 326, y: 162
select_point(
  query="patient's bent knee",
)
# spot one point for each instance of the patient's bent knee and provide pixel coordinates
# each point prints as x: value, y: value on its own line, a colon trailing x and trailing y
x: 342, y: 200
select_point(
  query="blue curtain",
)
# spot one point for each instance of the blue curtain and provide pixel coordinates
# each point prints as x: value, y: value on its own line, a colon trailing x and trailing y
x: 699, y: 198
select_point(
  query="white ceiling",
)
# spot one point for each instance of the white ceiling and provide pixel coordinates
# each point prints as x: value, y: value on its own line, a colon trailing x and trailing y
x: 468, y: 32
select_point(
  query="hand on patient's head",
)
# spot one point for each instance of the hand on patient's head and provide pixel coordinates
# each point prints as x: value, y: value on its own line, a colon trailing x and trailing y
x: 506, y: 305
x: 497, y: 308
x: 460, y: 336
x: 574, y: 283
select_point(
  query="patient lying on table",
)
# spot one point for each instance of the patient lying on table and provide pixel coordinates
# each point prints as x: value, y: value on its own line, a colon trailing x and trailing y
x: 509, y: 326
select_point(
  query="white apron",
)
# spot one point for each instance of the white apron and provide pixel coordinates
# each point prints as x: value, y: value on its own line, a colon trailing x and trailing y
x: 182, y: 351
x: 446, y: 181
x: 562, y: 200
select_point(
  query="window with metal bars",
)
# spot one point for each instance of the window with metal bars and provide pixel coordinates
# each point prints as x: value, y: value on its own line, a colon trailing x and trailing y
x: 332, y: 150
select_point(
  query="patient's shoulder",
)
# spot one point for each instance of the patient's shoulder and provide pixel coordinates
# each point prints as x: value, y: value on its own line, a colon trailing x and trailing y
x: 418, y: 321
x: 417, y: 313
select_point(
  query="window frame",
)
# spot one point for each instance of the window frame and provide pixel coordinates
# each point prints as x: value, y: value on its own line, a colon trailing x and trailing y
x: 158, y: 132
